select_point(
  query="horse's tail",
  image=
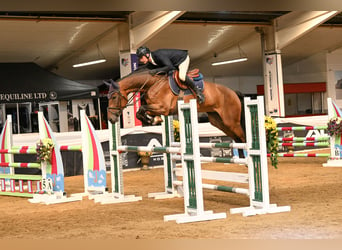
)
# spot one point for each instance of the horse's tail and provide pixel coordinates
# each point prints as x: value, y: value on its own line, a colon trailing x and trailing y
x: 242, y: 119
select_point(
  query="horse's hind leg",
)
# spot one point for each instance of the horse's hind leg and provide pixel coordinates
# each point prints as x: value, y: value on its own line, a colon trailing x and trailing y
x: 233, y: 129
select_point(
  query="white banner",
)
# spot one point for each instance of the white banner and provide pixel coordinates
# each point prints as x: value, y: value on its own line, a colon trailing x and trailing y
x: 129, y: 63
x: 274, y: 91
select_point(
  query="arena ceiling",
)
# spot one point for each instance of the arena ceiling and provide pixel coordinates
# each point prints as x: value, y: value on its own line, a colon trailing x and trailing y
x: 57, y: 39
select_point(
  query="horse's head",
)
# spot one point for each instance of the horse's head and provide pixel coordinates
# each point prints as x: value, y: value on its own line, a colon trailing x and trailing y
x: 137, y: 81
x: 116, y: 101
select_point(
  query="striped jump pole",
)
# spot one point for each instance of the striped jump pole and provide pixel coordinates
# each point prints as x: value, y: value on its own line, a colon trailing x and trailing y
x: 148, y: 149
x: 301, y: 139
x: 20, y: 164
x: 218, y: 159
x: 304, y: 144
x: 220, y: 188
x: 211, y: 145
x: 33, y: 149
x: 301, y: 155
x: 301, y: 128
x: 220, y: 176
x: 19, y: 150
x: 70, y: 147
x: 225, y: 160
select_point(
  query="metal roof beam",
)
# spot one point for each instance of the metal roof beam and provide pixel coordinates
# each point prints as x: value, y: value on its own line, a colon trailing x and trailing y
x: 292, y: 26
x: 145, y: 24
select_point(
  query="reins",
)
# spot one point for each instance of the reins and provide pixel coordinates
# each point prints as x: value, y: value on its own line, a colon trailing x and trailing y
x: 135, y: 94
x: 131, y: 99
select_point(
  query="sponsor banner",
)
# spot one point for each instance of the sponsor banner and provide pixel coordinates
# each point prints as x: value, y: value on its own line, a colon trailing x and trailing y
x: 274, y: 93
x: 129, y: 63
x: 25, y: 97
x: 137, y: 102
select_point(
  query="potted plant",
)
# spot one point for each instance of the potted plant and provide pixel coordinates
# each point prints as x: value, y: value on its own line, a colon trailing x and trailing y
x: 145, y: 159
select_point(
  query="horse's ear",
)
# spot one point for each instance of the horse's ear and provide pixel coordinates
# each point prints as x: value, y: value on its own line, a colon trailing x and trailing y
x: 111, y: 82
x: 108, y: 82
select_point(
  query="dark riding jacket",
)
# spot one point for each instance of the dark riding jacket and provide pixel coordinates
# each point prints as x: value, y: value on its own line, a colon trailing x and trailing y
x: 168, y: 59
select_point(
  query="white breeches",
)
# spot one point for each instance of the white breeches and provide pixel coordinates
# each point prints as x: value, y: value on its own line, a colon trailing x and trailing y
x: 183, y: 68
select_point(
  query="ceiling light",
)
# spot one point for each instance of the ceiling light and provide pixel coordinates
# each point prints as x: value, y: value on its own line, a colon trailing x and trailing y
x: 242, y: 58
x: 100, y: 59
x: 89, y: 63
x: 230, y: 61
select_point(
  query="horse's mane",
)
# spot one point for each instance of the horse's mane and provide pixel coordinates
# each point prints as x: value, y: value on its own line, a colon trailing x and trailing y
x: 141, y: 70
x: 114, y: 85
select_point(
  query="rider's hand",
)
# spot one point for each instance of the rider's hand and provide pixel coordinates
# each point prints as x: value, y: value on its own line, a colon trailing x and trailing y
x: 153, y: 72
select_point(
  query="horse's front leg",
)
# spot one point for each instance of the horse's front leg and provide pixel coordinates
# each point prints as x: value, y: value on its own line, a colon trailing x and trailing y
x: 150, y: 114
x: 143, y: 116
x: 155, y: 111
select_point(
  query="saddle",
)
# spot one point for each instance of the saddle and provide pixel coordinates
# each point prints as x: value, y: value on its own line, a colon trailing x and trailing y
x: 177, y: 86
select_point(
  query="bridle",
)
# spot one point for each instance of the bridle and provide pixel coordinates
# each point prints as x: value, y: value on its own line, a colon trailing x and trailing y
x: 120, y: 108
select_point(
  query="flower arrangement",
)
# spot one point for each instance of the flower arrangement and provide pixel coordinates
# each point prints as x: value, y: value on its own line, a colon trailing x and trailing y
x: 175, y: 124
x: 143, y: 153
x: 334, y: 126
x: 271, y: 139
x: 44, y: 149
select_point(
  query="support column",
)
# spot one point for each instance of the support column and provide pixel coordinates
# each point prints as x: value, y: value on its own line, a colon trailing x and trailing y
x: 273, y: 74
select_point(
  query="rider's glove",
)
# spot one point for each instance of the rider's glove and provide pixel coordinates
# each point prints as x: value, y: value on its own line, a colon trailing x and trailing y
x: 153, y: 71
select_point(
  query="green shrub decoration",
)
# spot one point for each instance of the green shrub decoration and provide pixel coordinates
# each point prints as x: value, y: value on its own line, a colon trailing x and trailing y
x: 175, y: 124
x: 271, y: 139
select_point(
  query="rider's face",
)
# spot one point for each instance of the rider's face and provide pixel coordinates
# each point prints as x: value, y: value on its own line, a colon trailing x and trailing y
x: 144, y: 59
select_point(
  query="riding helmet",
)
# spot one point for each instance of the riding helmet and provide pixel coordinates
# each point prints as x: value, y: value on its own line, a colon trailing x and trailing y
x: 142, y: 51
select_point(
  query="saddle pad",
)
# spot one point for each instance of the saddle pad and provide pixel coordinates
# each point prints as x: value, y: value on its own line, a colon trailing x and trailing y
x: 176, y: 89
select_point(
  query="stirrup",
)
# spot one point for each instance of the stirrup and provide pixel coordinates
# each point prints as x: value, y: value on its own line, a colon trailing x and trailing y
x: 200, y: 98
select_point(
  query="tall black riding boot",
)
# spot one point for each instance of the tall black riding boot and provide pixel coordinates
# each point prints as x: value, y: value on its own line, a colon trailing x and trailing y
x: 194, y: 88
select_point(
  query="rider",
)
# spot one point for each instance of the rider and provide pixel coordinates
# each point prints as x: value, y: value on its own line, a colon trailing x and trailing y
x: 169, y: 59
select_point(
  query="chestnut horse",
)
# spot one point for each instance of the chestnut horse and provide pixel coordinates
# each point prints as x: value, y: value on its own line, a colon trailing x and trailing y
x: 223, y: 105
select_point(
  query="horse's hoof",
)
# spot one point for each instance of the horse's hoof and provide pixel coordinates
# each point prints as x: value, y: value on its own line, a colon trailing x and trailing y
x: 200, y: 98
x: 157, y: 120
